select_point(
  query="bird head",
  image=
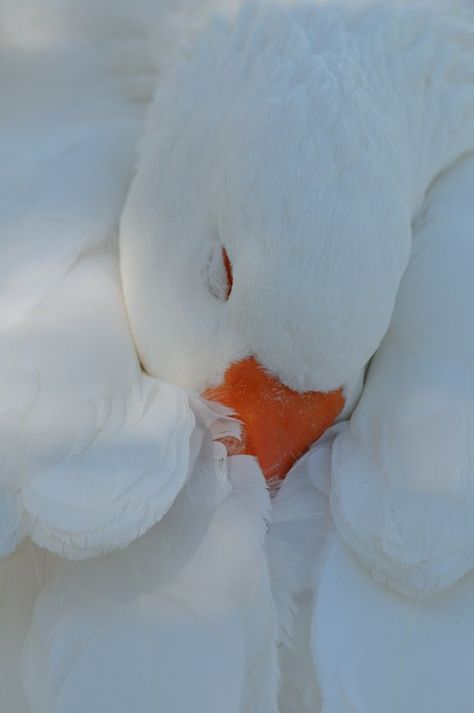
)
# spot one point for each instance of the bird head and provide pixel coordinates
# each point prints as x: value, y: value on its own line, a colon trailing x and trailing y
x: 263, y: 240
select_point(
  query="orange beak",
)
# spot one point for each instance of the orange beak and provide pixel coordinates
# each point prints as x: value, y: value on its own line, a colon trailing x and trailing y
x: 279, y: 424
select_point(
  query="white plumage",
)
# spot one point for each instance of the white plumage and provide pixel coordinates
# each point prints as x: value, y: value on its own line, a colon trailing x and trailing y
x: 395, y: 634
x: 302, y: 139
x: 94, y: 452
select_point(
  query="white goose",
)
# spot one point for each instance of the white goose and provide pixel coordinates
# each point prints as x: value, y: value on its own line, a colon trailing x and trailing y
x: 184, y: 616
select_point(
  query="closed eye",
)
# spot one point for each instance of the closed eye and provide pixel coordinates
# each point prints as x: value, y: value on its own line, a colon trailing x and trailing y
x: 220, y: 276
x: 228, y: 273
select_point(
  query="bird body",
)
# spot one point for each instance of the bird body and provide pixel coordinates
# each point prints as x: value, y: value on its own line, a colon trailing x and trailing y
x: 166, y: 217
x: 391, y: 624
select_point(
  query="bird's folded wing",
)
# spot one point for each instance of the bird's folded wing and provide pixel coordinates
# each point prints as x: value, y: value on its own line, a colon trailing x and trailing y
x: 403, y: 470
x: 378, y: 651
x: 92, y: 452
x: 372, y: 649
x: 182, y: 619
x: 69, y: 123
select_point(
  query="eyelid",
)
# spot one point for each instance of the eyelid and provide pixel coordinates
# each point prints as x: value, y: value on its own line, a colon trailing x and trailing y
x: 220, y: 277
x: 228, y: 272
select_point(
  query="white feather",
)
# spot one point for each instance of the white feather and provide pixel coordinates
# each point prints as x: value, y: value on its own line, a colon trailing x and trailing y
x: 377, y: 651
x: 403, y: 472
x: 301, y: 525
x: 181, y: 619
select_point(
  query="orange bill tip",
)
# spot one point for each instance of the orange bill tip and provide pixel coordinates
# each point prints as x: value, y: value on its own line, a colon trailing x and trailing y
x: 279, y: 424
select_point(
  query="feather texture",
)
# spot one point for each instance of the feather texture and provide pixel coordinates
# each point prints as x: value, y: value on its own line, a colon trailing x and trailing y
x: 403, y: 476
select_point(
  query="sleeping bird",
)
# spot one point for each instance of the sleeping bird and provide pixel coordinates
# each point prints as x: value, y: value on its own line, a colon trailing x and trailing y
x: 209, y: 497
